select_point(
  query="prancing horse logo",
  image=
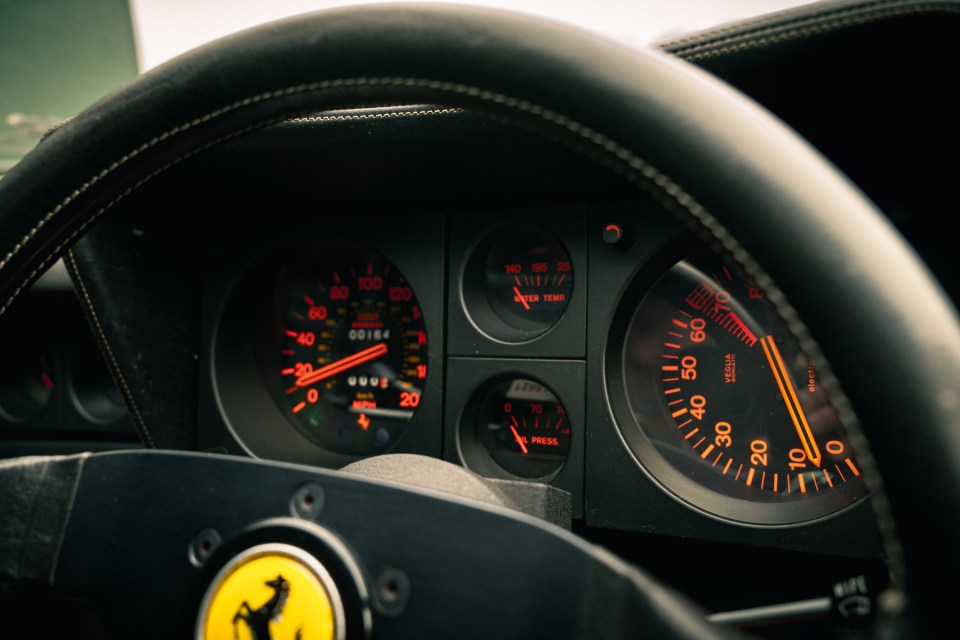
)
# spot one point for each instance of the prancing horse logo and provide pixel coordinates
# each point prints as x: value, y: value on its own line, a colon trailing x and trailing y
x: 258, y: 620
x: 271, y: 591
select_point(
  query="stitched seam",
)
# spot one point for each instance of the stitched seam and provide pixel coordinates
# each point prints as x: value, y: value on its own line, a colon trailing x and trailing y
x: 28, y: 531
x: 279, y: 93
x: 376, y: 116
x: 191, y: 124
x: 789, y: 18
x: 763, y: 22
x: 114, y: 364
x: 716, y: 48
x: 686, y: 207
x: 635, y: 169
x: 800, y: 33
x: 52, y: 255
x: 66, y: 521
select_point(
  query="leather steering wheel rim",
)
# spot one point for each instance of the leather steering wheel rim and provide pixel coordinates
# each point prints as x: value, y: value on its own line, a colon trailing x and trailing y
x: 706, y: 152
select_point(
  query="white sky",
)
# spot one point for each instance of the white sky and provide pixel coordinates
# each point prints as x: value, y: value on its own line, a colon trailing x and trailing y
x: 166, y: 28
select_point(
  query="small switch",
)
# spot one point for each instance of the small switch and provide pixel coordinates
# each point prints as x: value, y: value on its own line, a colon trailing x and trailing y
x: 615, y: 236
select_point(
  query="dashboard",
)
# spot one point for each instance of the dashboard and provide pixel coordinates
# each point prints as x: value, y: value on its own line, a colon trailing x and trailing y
x: 441, y: 284
x: 585, y: 340
x: 471, y: 338
x: 57, y: 394
x: 336, y: 323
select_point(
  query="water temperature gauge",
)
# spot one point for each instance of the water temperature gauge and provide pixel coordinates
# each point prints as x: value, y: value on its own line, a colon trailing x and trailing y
x: 518, y: 283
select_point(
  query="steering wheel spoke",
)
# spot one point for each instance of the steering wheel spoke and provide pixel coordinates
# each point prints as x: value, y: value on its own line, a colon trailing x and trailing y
x: 409, y: 562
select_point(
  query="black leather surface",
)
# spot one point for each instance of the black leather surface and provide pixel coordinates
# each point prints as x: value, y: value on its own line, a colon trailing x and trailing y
x: 37, y: 494
x: 864, y: 82
x: 867, y: 300
x: 142, y: 316
x: 619, y: 604
x: 536, y: 579
x: 804, y: 26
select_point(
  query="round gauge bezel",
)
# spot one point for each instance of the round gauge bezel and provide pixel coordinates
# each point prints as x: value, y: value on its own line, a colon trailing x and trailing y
x: 674, y: 481
x: 542, y: 469
x: 315, y: 276
x: 239, y: 395
x: 482, y: 308
x: 473, y: 451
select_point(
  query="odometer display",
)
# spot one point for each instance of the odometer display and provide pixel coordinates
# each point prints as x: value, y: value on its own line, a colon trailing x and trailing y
x: 724, y: 409
x: 351, y: 350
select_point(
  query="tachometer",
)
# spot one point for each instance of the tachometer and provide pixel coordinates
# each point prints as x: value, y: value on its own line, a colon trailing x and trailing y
x: 723, y: 408
x: 352, y: 356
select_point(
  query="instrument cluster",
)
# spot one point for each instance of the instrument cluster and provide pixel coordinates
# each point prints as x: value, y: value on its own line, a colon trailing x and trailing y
x: 589, y: 347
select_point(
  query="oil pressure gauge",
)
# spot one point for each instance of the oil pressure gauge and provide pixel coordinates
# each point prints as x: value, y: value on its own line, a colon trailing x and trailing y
x: 523, y: 427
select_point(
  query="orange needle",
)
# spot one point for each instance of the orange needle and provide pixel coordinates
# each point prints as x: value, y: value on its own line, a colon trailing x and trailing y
x: 522, y: 301
x: 790, y: 399
x: 516, y: 435
x: 343, y: 364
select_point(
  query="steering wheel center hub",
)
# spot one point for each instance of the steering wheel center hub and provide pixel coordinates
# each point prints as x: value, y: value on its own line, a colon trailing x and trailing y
x: 272, y: 591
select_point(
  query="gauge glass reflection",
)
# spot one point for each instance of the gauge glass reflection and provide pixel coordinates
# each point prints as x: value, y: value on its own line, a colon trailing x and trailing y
x: 518, y: 283
x: 723, y: 407
x: 350, y: 357
x: 524, y: 428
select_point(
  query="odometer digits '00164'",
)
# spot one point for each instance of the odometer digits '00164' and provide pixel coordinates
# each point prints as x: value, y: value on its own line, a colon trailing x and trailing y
x: 721, y: 405
x: 352, y: 356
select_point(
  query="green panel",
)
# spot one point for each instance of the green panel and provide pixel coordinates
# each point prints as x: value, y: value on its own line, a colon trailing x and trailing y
x: 56, y: 58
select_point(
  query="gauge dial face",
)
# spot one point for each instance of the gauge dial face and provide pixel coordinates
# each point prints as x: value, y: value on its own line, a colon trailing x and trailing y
x: 524, y: 428
x: 519, y: 283
x: 724, y: 409
x: 352, y: 350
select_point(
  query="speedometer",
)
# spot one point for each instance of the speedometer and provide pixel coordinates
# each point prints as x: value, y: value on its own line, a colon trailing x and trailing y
x: 352, y: 358
x: 722, y: 407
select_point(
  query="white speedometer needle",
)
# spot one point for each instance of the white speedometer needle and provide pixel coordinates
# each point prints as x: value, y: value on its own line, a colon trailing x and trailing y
x: 789, y: 395
x: 343, y: 364
x: 382, y: 412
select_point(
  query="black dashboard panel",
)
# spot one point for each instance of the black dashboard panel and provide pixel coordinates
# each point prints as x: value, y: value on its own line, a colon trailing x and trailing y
x: 239, y: 291
x: 447, y: 246
x: 474, y: 328
x: 870, y: 94
x: 431, y: 192
x: 56, y: 393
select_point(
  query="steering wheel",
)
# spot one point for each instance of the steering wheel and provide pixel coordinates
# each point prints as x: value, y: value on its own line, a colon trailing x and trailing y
x: 856, y: 296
